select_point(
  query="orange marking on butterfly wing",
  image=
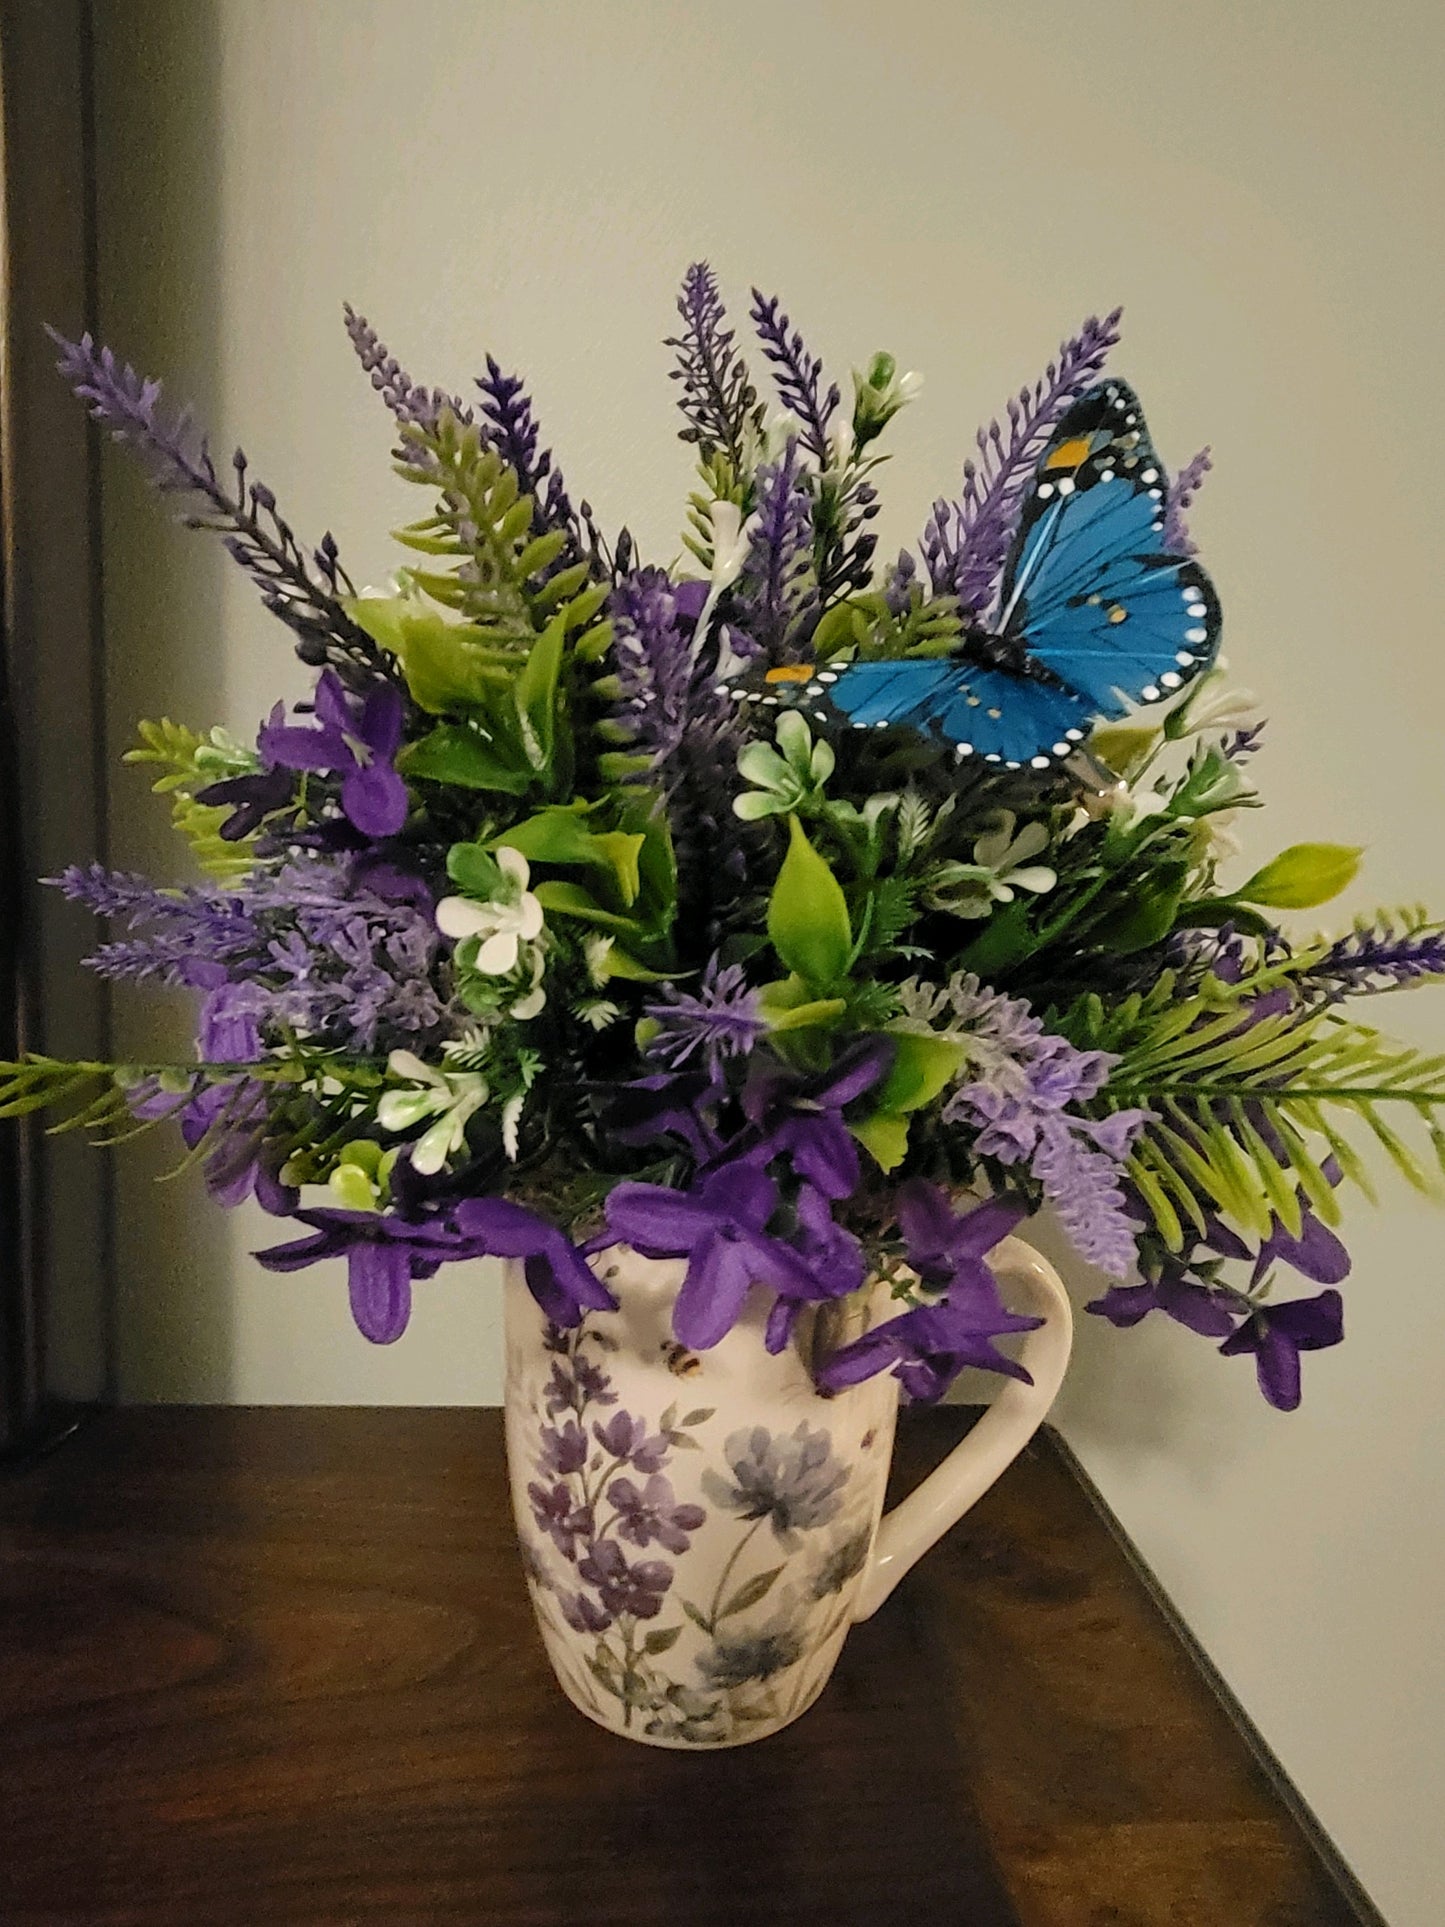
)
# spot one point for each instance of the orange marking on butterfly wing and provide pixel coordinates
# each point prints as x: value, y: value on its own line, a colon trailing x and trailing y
x: 791, y: 672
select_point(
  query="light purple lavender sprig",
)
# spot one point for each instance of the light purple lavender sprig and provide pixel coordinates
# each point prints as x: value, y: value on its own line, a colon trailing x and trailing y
x: 723, y: 1020
x: 717, y: 399
x: 1182, y: 491
x: 798, y: 376
x: 966, y: 542
x: 408, y: 400
x: 303, y: 590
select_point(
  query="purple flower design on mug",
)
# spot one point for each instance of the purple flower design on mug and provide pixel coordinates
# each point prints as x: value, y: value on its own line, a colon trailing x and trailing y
x: 625, y: 1437
x: 564, y: 1449
x: 560, y: 1517
x: 582, y: 1614
x: 793, y: 1481
x: 653, y: 1513
x: 624, y: 1588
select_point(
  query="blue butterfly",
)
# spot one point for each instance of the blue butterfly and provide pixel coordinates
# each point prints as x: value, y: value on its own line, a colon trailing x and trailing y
x: 1094, y: 614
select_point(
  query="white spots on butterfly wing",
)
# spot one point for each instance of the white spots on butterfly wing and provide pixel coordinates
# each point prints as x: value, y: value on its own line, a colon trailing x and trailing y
x: 1044, y: 491
x: 1171, y: 679
x: 1061, y: 749
x: 1184, y: 658
x: 1075, y: 735
x: 993, y: 757
x: 1151, y: 694
x: 995, y: 715
x: 1150, y: 475
x: 1038, y: 762
x: 1008, y: 765
x: 1066, y: 485
x: 1196, y: 635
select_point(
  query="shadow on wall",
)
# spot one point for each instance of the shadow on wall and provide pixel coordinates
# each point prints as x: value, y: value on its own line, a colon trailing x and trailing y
x: 158, y: 216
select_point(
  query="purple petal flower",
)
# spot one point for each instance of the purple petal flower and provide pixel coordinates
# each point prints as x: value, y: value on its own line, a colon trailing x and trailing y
x: 1316, y: 1253
x: 560, y: 1517
x: 1277, y: 1334
x: 1204, y: 1311
x: 558, y: 1276
x: 564, y: 1449
x: 356, y: 742
x: 582, y: 1614
x: 930, y: 1345
x: 383, y: 1254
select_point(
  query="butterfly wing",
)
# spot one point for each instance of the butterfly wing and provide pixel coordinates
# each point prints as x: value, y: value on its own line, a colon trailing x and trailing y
x: 1089, y: 589
x: 987, y: 713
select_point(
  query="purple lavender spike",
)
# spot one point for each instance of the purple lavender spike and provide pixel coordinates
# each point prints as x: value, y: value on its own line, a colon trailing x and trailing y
x: 1182, y: 491
x: 718, y: 399
x: 777, y: 596
x: 798, y: 375
x: 966, y: 544
x: 512, y: 430
x: 293, y: 585
x: 1383, y: 955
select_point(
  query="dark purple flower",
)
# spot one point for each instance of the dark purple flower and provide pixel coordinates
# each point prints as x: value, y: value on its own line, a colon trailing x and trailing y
x: 251, y: 798
x: 681, y: 1105
x: 564, y: 1449
x: 356, y: 741
x: 383, y: 1254
x: 1210, y: 1313
x: 1277, y: 1334
x: 835, y: 1260
x: 1316, y: 1253
x: 582, y: 1614
x: 653, y: 1513
x: 558, y: 1276
x: 511, y: 428
x: 801, y: 1117
x: 930, y: 1345
x: 560, y: 1517
x: 1383, y: 955
x: 635, y: 1589
x: 627, y: 1438
x: 720, y: 1227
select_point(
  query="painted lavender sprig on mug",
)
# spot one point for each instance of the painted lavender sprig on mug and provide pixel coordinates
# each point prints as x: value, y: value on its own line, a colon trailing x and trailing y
x: 767, y: 913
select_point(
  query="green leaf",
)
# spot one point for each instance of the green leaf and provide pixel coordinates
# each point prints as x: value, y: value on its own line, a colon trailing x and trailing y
x: 536, y: 691
x: 569, y: 899
x: 922, y: 1066
x: 1302, y: 876
x: 808, y: 913
x: 455, y: 753
x: 1149, y: 914
x: 661, y: 1639
x: 751, y: 1591
x: 700, y: 1416
x: 1005, y: 940
x: 698, y: 1618
x: 884, y: 1137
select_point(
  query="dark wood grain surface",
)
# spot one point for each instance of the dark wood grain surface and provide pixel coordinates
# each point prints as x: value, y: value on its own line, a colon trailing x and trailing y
x: 267, y: 1666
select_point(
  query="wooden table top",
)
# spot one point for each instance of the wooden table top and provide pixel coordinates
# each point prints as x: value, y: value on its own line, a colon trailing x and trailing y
x: 273, y: 1666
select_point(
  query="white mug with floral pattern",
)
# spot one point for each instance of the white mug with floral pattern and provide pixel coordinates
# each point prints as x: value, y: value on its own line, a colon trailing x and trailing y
x: 700, y: 1530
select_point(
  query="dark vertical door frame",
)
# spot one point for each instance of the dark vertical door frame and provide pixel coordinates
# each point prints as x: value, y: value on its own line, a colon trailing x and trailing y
x: 54, y: 1201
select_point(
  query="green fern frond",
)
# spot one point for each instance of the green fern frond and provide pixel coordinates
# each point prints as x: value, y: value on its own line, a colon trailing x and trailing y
x: 1244, y: 1116
x: 504, y: 580
x: 188, y: 763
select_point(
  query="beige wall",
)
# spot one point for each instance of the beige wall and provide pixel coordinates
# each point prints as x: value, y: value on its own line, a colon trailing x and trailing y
x: 1260, y: 185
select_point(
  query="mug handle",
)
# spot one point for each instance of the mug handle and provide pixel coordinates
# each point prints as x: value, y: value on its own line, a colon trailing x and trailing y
x: 918, y: 1522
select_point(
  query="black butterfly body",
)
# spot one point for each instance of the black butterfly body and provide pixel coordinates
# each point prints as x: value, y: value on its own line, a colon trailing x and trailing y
x: 1094, y: 614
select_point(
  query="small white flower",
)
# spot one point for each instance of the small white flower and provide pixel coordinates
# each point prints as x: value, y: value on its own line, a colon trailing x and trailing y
x: 450, y: 1097
x: 1006, y: 855
x: 730, y: 538
x: 511, y: 1123
x: 1215, y: 706
x: 534, y: 998
x: 503, y: 925
x: 1215, y: 837
x: 596, y: 951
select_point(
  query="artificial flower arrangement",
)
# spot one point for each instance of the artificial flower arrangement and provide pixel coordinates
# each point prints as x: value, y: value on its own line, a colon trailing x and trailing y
x: 803, y: 919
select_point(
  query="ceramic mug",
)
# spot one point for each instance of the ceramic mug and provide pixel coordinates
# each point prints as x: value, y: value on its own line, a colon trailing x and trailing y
x: 700, y: 1530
